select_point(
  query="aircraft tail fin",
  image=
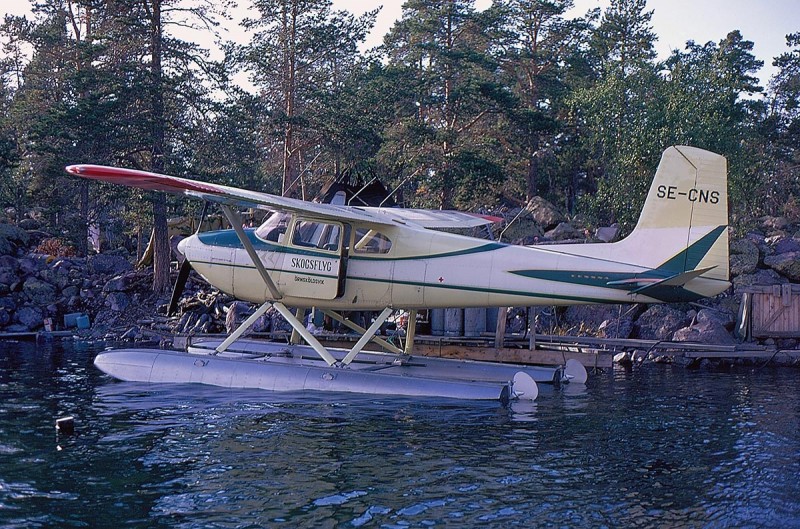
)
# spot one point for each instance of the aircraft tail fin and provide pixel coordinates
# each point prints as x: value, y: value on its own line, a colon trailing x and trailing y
x: 682, y: 231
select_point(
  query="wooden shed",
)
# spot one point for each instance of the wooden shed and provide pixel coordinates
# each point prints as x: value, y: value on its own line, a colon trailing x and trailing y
x: 770, y: 312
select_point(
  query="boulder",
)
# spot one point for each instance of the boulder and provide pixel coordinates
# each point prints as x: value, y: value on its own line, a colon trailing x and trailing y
x: 774, y: 223
x: 617, y: 328
x: 659, y: 322
x: 544, y: 213
x: 118, y: 301
x: 11, y: 238
x: 705, y: 330
x: 108, y: 264
x: 563, y: 231
x: 786, y: 264
x: 39, y: 292
x: 9, y: 270
x: 30, y: 317
x: 760, y: 277
x: 744, y: 257
x: 786, y: 245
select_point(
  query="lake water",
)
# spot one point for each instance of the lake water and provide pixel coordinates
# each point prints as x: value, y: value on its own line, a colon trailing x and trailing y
x: 654, y: 447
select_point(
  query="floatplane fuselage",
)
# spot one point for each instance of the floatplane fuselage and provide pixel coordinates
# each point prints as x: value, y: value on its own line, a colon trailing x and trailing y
x: 343, y: 258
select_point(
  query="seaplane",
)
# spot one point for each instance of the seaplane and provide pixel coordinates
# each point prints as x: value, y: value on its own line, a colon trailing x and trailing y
x: 339, y: 258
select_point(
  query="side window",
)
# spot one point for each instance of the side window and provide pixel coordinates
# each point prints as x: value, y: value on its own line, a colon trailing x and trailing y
x: 371, y: 241
x: 320, y: 235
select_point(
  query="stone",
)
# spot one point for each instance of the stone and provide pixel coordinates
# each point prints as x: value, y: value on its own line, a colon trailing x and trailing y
x: 117, y: 301
x: 108, y: 264
x: 659, y: 322
x: 38, y: 291
x: 11, y: 238
x: 544, y: 213
x: 706, y: 329
x: 786, y: 264
x: 744, y: 256
x: 760, y: 277
x: 623, y: 359
x: 31, y: 317
x: 774, y: 223
x: 616, y: 328
x: 562, y: 232
x: 786, y: 245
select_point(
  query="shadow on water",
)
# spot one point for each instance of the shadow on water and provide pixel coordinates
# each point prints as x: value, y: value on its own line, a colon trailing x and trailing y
x: 657, y: 446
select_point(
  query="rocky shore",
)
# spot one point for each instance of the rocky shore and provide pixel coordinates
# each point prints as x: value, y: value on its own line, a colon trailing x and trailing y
x: 40, y: 289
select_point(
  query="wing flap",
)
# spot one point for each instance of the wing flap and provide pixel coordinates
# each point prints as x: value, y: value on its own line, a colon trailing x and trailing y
x: 428, y: 218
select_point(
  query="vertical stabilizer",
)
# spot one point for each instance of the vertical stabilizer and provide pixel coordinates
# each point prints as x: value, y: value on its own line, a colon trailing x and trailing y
x: 683, y: 225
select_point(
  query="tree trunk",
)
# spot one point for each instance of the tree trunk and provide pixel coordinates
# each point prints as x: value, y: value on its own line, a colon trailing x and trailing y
x: 161, y: 250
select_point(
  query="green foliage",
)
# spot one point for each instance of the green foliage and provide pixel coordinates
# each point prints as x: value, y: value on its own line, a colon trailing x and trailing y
x: 457, y: 108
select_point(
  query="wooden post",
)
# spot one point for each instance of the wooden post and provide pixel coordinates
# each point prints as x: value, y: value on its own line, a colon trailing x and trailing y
x: 500, y: 331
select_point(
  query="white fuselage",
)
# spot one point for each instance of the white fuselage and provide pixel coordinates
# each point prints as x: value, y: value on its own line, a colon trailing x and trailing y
x: 422, y: 269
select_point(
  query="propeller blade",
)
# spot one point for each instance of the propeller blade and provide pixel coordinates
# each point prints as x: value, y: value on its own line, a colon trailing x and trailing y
x: 180, y: 284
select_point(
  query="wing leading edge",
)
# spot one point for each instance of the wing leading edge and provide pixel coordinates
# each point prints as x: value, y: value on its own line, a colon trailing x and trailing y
x: 252, y: 199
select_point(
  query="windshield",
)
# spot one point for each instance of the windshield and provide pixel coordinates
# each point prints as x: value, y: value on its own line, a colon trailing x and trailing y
x: 274, y: 228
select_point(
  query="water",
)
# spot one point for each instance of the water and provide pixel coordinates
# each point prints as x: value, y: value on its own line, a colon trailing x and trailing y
x: 656, y: 447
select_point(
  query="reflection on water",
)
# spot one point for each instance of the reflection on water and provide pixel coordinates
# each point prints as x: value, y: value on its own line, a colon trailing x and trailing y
x: 657, y: 446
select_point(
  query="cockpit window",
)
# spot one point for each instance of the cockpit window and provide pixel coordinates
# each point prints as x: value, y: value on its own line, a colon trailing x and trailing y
x: 371, y: 241
x: 274, y: 228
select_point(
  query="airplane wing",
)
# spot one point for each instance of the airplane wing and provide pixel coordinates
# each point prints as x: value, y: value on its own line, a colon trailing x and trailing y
x: 252, y: 199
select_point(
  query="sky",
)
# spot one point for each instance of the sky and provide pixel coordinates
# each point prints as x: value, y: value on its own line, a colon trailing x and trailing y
x: 764, y: 22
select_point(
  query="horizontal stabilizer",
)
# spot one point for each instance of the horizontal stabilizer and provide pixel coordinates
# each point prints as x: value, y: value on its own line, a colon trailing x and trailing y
x: 678, y: 280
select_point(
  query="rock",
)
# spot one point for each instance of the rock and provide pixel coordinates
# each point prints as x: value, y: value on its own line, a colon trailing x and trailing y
x: 760, y: 277
x: 9, y: 269
x: 607, y: 233
x: 563, y: 232
x: 707, y: 329
x: 623, y: 359
x: 659, y: 322
x: 39, y: 292
x: 616, y: 328
x: 29, y: 224
x: 786, y: 264
x: 744, y: 256
x: 11, y: 238
x: 774, y: 223
x: 108, y: 264
x: 5, y: 318
x: 31, y: 317
x: 589, y: 315
x: 723, y: 318
x: 116, y: 284
x: 544, y: 213
x: 117, y: 301
x: 786, y: 245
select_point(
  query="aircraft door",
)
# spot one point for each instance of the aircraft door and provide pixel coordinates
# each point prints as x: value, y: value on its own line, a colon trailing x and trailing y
x: 312, y: 267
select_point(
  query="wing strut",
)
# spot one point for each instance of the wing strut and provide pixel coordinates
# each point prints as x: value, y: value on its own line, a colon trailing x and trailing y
x: 236, y: 222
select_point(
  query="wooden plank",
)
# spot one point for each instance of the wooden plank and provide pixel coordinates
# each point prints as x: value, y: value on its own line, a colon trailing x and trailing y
x: 753, y: 353
x: 513, y: 355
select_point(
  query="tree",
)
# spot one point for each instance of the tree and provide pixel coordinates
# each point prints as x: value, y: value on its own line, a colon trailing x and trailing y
x: 708, y: 103
x: 617, y: 114
x: 299, y: 51
x: 442, y: 139
x: 535, y: 48
x: 783, y: 130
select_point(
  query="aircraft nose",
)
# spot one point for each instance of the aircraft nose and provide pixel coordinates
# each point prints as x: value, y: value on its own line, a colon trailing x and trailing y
x: 185, y: 244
